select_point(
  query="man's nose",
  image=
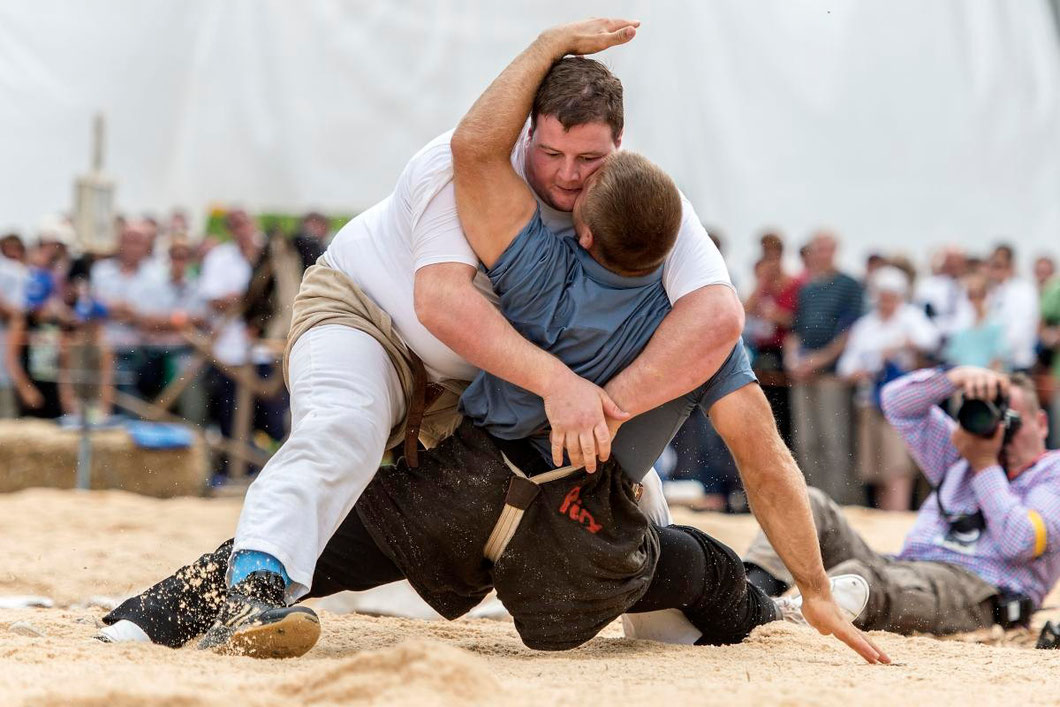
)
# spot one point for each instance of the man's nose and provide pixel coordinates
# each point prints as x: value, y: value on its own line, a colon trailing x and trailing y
x: 569, y: 172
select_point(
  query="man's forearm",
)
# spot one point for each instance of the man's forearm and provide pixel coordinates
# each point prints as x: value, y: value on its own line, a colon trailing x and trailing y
x: 775, y: 487
x: 492, y: 126
x: 454, y: 311
x: 690, y: 345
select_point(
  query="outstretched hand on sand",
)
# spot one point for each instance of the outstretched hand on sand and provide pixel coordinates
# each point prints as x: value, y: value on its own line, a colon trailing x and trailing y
x: 824, y: 614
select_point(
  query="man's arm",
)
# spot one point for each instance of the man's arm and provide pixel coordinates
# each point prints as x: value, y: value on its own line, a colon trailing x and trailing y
x: 777, y: 495
x: 910, y: 404
x: 493, y: 201
x: 689, y: 346
x: 452, y: 309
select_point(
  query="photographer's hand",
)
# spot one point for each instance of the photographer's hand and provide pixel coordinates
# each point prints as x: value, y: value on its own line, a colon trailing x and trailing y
x: 978, y: 383
x: 980, y: 452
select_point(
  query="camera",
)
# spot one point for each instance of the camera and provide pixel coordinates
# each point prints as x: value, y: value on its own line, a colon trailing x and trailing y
x: 982, y: 417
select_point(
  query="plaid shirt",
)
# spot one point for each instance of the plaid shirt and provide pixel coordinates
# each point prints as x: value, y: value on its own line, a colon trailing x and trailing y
x: 1020, y: 548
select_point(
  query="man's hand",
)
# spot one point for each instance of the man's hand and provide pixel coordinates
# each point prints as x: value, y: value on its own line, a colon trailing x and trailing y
x: 980, y: 452
x: 579, y: 413
x: 590, y: 36
x: 821, y: 612
x: 978, y: 383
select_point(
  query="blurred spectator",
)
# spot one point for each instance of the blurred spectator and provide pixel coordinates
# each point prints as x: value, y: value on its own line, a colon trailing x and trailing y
x: 312, y: 238
x: 178, y: 223
x: 114, y: 281
x: 164, y: 306
x: 873, y: 262
x: 975, y: 339
x: 1013, y: 301
x: 941, y: 294
x: 772, y: 246
x: 226, y: 276
x: 883, y: 345
x: 828, y: 305
x: 86, y: 370
x: 770, y: 312
x: 1050, y: 338
x: 35, y: 337
x: 12, y: 248
x: 13, y: 277
x: 1044, y: 271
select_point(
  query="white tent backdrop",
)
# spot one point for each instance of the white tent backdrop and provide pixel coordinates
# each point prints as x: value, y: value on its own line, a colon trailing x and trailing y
x: 900, y: 124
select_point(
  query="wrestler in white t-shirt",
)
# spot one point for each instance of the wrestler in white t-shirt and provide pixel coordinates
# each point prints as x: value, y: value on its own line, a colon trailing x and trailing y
x: 417, y: 225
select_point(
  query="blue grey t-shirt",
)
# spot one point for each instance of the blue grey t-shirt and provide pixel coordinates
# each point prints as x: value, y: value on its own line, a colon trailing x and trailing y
x: 558, y: 297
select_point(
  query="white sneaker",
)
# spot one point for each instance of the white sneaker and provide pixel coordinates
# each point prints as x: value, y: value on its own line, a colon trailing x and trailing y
x: 850, y: 591
x: 124, y: 631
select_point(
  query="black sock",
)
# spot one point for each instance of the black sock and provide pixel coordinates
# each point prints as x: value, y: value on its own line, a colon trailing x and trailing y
x: 763, y: 580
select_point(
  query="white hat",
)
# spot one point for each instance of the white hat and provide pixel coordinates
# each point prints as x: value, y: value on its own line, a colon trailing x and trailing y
x: 890, y: 279
x: 56, y: 229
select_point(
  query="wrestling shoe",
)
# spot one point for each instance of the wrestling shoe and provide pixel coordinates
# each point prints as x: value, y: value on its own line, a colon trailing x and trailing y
x: 255, y: 621
x: 850, y: 591
x: 124, y: 631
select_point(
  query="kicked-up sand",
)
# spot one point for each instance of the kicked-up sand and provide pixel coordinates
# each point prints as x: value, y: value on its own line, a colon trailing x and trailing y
x: 79, y: 549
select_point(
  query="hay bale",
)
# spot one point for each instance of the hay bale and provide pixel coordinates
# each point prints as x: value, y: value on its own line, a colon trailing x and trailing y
x: 39, y: 453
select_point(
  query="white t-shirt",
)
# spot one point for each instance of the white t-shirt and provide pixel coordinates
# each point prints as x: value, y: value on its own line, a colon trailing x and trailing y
x: 113, y: 286
x: 225, y: 272
x: 13, y: 276
x: 160, y: 296
x: 417, y: 225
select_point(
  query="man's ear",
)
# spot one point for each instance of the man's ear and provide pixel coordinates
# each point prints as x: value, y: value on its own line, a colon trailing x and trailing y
x: 618, y: 140
x: 585, y: 238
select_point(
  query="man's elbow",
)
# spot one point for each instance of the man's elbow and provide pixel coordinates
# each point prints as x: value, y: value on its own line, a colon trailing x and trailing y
x: 466, y: 147
x: 724, y: 325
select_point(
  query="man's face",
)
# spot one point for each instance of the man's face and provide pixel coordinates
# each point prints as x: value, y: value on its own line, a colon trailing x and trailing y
x: 559, y: 161
x: 998, y: 268
x: 1029, y: 440
x: 888, y: 303
x: 133, y: 245
x: 241, y: 226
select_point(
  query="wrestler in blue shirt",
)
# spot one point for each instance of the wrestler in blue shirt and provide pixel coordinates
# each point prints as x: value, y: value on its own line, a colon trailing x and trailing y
x: 596, y: 321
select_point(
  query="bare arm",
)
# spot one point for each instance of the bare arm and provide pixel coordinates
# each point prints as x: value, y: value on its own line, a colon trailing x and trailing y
x: 16, y: 339
x: 689, y: 346
x: 448, y: 304
x: 494, y: 203
x: 777, y: 494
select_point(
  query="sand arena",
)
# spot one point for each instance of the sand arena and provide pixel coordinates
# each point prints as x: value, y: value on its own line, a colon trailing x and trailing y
x: 85, y: 549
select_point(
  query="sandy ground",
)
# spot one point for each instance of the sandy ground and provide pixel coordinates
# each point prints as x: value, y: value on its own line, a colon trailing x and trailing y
x: 81, y: 547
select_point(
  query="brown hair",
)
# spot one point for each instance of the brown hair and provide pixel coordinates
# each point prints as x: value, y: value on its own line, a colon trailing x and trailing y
x: 576, y: 91
x: 633, y: 210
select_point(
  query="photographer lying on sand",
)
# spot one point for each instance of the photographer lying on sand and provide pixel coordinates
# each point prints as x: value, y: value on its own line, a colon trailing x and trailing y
x: 985, y: 548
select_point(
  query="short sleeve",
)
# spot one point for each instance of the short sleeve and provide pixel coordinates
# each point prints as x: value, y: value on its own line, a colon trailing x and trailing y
x: 437, y: 236
x: 695, y: 261
x: 531, y: 274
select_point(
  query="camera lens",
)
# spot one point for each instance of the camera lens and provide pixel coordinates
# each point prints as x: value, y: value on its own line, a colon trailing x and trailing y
x: 980, y: 417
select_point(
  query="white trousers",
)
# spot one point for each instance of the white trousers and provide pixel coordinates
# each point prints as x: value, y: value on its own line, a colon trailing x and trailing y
x: 345, y: 398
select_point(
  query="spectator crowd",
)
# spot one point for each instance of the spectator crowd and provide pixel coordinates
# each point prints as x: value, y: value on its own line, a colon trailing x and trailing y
x: 84, y: 333
x: 824, y: 342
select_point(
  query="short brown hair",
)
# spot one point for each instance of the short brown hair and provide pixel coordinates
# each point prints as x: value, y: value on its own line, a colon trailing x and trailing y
x: 576, y: 91
x: 633, y: 210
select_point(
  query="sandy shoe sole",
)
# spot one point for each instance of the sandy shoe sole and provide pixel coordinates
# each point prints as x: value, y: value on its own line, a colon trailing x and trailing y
x: 289, y: 637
